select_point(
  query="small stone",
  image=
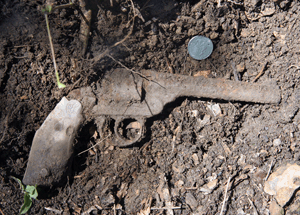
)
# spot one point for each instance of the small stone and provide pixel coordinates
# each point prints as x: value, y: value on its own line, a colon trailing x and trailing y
x: 242, y: 160
x: 195, y: 159
x: 212, y: 184
x: 215, y: 109
x: 275, y: 209
x: 179, y: 183
x: 192, y: 32
x: 276, y: 142
x: 268, y: 11
x: 214, y: 35
x: 191, y: 201
x: 178, y: 30
x: 209, y: 187
x: 283, y: 183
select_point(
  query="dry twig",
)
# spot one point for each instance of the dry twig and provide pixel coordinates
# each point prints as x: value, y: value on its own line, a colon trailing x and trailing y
x: 225, y: 196
x: 54, y: 210
x: 94, y: 145
x: 269, y: 171
x: 254, y: 208
x: 1, y: 211
x: 260, y: 73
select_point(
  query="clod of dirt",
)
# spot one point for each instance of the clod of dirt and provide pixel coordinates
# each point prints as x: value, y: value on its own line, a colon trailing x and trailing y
x: 283, y: 183
x: 52, y: 145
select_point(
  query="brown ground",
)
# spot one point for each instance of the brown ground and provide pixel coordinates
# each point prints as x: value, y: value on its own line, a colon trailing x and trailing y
x: 180, y: 155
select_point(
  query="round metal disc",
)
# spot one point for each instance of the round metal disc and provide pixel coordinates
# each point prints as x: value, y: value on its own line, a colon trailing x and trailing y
x: 200, y: 47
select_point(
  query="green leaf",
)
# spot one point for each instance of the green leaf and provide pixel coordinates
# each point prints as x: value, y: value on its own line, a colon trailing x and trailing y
x: 20, y: 183
x: 31, y: 190
x: 27, y: 204
x: 60, y: 85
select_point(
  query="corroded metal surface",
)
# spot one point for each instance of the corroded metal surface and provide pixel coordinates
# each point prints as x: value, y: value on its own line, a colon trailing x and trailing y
x: 125, y: 95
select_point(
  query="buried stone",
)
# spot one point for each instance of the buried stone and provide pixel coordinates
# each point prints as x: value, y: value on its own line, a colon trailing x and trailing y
x: 51, y: 151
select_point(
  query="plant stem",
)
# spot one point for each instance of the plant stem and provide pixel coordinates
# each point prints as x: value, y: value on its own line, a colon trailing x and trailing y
x: 60, y: 85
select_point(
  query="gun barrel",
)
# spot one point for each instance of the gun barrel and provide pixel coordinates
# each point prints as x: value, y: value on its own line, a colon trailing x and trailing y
x: 214, y: 88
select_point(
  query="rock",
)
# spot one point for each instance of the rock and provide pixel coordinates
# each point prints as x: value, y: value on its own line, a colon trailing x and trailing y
x: 209, y: 187
x: 276, y: 142
x: 268, y: 10
x: 283, y: 183
x: 52, y: 147
x: 178, y: 30
x: 275, y: 209
x: 191, y: 201
x: 192, y: 32
x: 195, y: 159
x: 214, y: 35
x: 215, y: 109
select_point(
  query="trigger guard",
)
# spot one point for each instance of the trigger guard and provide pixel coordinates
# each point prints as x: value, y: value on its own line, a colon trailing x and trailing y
x: 136, y: 123
x: 112, y: 129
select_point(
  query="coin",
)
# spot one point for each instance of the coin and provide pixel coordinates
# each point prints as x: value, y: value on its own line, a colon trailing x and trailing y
x: 200, y: 47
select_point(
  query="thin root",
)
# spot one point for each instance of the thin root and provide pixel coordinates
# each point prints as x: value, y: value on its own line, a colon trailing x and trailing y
x: 260, y: 72
x: 225, y: 196
x: 93, y: 145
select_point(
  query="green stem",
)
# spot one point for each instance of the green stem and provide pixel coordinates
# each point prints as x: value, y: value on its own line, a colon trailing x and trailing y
x: 60, y: 85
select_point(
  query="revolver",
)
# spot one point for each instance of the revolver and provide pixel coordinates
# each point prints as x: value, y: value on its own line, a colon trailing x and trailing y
x: 123, y: 99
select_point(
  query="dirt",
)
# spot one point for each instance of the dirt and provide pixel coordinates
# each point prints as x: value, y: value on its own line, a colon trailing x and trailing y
x: 189, y: 152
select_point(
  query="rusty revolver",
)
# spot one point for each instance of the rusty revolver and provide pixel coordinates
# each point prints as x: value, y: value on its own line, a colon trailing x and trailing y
x: 123, y: 100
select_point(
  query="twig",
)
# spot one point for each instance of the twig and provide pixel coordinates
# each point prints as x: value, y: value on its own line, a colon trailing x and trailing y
x: 54, y: 210
x: 254, y: 208
x: 1, y: 211
x: 167, y: 208
x: 269, y: 171
x: 94, y: 145
x: 224, y: 201
x: 131, y: 70
x: 234, y: 2
x: 260, y: 73
x: 297, y: 67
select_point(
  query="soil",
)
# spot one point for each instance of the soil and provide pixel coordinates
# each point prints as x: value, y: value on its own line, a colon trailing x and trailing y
x: 189, y: 151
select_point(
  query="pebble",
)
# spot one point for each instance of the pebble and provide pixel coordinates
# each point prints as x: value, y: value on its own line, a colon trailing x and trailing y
x: 178, y: 30
x: 283, y: 183
x: 191, y: 201
x: 195, y: 159
x: 276, y: 142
